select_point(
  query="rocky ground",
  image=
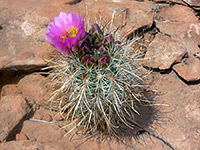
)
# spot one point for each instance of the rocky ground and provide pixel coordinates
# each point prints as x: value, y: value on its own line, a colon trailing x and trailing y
x: 173, y: 55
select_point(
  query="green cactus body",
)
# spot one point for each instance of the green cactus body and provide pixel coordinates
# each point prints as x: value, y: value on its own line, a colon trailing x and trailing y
x: 100, y: 95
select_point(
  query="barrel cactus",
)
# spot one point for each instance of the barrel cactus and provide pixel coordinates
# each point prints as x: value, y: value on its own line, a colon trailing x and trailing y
x: 98, y: 80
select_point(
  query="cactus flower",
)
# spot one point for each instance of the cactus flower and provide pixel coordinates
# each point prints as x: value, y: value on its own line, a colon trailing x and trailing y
x: 65, y: 32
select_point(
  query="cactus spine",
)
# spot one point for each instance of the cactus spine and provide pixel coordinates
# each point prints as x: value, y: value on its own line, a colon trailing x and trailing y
x: 99, y: 86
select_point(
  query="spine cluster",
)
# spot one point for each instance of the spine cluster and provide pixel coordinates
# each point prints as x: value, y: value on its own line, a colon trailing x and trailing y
x: 99, y: 86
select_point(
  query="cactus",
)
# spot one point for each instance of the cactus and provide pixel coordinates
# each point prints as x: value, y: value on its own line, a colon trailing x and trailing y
x: 99, y: 87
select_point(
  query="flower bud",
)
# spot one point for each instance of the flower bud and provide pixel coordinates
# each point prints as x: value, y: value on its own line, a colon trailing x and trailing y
x: 102, y: 48
x: 95, y: 29
x: 108, y: 39
x: 96, y: 43
x: 104, y: 60
x: 88, y: 38
x: 85, y: 48
x: 88, y: 60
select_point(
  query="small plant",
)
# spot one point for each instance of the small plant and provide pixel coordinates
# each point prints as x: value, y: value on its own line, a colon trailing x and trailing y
x: 98, y: 80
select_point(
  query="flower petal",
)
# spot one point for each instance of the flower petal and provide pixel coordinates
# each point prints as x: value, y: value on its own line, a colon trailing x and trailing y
x: 61, y: 35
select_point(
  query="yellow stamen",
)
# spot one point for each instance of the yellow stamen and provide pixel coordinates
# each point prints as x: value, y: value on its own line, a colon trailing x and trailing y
x: 72, y: 33
x: 63, y: 38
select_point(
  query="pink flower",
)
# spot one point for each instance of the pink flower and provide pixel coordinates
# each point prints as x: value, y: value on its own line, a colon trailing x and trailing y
x: 65, y: 32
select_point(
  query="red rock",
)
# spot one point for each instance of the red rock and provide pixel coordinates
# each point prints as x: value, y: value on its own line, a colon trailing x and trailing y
x: 169, y: 2
x: 20, y: 137
x: 181, y: 120
x: 193, y: 112
x: 58, y: 116
x: 35, y: 89
x: 163, y: 52
x: 192, y: 38
x: 161, y: 1
x: 192, y: 2
x: 37, y: 116
x: 29, y: 145
x: 42, y: 112
x: 42, y: 132
x: 47, y: 117
x: 9, y: 89
x: 181, y: 24
x: 13, y: 110
x: 188, y: 69
x: 22, y: 29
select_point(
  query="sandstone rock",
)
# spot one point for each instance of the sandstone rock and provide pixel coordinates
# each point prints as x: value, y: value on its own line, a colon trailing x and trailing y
x: 179, y: 124
x: 42, y: 113
x: 58, y: 116
x: 180, y: 23
x: 12, y: 110
x: 42, y: 132
x: 168, y: 18
x: 188, y: 69
x: 20, y: 137
x: 193, y: 111
x: 170, y: 2
x: 29, y: 145
x: 9, y: 89
x: 47, y: 118
x: 192, y: 2
x: 37, y: 116
x: 35, y: 89
x: 22, y: 36
x: 163, y: 52
x: 192, y: 38
x: 161, y: 1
